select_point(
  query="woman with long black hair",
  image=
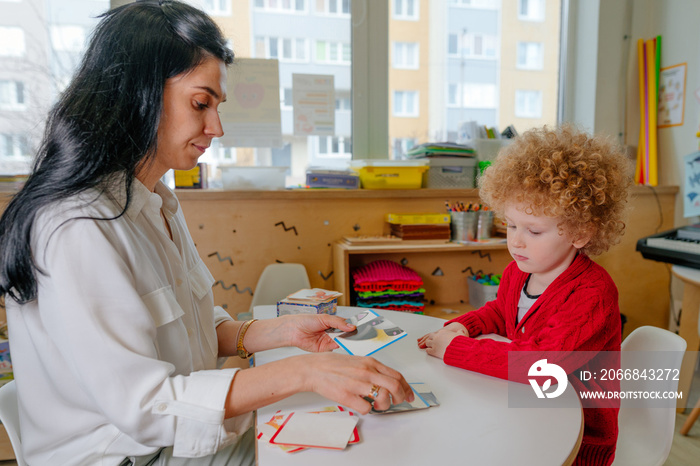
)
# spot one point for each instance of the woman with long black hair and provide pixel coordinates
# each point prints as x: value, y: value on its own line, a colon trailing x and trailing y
x: 115, y: 337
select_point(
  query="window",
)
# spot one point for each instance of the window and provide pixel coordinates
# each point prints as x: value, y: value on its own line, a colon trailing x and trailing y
x: 406, y: 55
x: 333, y: 7
x: 530, y: 56
x: 217, y: 7
x: 406, y: 103
x: 531, y: 10
x: 406, y: 10
x: 12, y: 42
x: 343, y: 103
x: 452, y: 95
x: 453, y: 44
x: 491, y: 4
x: 283, y: 49
x: 333, y: 52
x: 286, y: 98
x: 528, y: 104
x: 14, y: 146
x: 334, y: 147
x: 281, y: 6
x: 68, y: 38
x: 12, y: 95
x: 479, y: 46
x: 478, y: 95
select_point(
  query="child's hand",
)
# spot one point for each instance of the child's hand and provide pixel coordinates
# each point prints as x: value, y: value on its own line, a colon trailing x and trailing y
x: 436, y: 343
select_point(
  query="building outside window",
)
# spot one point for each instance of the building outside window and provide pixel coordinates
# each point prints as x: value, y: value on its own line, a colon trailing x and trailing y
x: 12, y: 95
x: 528, y: 104
x: 337, y: 53
x: 333, y: 7
x: 406, y: 103
x: 12, y: 42
x: 405, y: 55
x: 530, y: 56
x: 531, y: 10
x: 406, y: 10
x: 68, y: 38
x: 217, y: 7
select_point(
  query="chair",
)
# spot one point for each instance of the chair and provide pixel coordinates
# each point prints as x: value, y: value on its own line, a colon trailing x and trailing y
x: 694, y: 414
x: 278, y: 281
x: 646, y: 429
x: 9, y: 416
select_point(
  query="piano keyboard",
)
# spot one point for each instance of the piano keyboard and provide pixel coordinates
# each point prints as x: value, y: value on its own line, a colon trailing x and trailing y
x: 675, y: 244
x: 668, y: 247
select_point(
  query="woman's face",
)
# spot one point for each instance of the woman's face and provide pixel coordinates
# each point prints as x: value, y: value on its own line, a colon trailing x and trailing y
x: 190, y: 119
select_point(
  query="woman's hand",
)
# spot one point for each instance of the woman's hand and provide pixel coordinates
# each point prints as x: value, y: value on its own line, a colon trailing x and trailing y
x: 308, y: 331
x: 342, y: 378
x: 436, y: 343
x: 349, y: 380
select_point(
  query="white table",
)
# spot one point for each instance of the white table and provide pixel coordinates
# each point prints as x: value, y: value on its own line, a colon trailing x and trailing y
x: 472, y: 425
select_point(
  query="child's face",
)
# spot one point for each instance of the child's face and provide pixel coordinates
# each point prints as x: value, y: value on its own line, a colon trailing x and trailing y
x: 536, y: 244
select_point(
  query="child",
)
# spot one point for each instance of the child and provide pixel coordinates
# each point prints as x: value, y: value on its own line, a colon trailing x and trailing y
x: 562, y: 194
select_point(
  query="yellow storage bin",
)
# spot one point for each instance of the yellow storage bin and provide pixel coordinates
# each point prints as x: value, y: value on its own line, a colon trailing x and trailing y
x: 385, y: 175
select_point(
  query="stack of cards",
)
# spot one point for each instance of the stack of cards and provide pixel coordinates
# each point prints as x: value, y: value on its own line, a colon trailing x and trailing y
x: 332, y: 428
x: 309, y: 301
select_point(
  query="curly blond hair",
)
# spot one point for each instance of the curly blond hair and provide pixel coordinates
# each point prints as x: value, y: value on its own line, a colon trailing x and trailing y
x: 563, y: 172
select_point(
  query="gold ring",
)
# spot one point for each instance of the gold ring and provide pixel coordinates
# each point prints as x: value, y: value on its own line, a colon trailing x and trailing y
x: 374, y: 392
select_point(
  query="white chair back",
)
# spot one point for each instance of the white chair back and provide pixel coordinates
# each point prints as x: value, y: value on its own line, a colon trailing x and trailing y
x: 9, y: 416
x: 646, y: 429
x: 278, y: 281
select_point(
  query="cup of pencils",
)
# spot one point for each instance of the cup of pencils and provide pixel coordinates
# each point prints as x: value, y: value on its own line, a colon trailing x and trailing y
x: 470, y: 222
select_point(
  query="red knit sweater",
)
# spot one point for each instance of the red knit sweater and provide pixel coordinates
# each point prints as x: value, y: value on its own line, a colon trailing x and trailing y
x: 577, y: 312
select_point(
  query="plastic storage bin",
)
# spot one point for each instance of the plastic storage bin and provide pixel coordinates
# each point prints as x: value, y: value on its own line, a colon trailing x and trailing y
x: 480, y: 294
x: 450, y: 172
x: 253, y: 177
x: 390, y: 174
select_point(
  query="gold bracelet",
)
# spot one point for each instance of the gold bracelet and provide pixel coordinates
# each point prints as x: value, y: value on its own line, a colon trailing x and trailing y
x: 242, y: 352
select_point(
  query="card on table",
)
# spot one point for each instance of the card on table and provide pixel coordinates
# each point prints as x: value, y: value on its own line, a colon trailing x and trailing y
x: 373, y: 332
x: 310, y: 430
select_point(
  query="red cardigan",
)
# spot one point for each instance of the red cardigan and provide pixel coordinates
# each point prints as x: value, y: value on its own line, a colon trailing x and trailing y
x: 577, y: 312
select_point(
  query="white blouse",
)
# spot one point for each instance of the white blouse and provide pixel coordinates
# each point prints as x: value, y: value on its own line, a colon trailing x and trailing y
x: 117, y: 356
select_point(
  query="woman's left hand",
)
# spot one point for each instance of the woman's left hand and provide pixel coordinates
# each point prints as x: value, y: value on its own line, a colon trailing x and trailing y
x: 308, y: 331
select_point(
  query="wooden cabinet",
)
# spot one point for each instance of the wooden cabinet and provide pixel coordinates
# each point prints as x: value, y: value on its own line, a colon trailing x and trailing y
x: 443, y: 267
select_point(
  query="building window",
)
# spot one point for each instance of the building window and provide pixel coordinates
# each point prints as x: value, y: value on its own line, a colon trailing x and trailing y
x: 401, y: 146
x: 406, y: 55
x: 334, y: 147
x: 337, y: 53
x: 14, y: 146
x: 217, y: 7
x: 12, y: 42
x: 68, y: 38
x: 406, y: 103
x: 333, y: 7
x: 343, y: 103
x: 479, y: 95
x: 452, y: 95
x: 485, y: 4
x: 479, y: 45
x: 281, y: 6
x: 286, y: 98
x: 12, y: 95
x: 530, y: 56
x: 453, y: 44
x: 282, y: 48
x: 531, y: 10
x: 406, y: 10
x: 528, y: 104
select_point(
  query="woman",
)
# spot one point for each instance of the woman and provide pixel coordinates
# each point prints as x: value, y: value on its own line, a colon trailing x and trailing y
x: 115, y: 337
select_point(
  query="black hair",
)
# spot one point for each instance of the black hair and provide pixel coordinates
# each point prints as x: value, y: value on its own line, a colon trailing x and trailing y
x: 104, y: 125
